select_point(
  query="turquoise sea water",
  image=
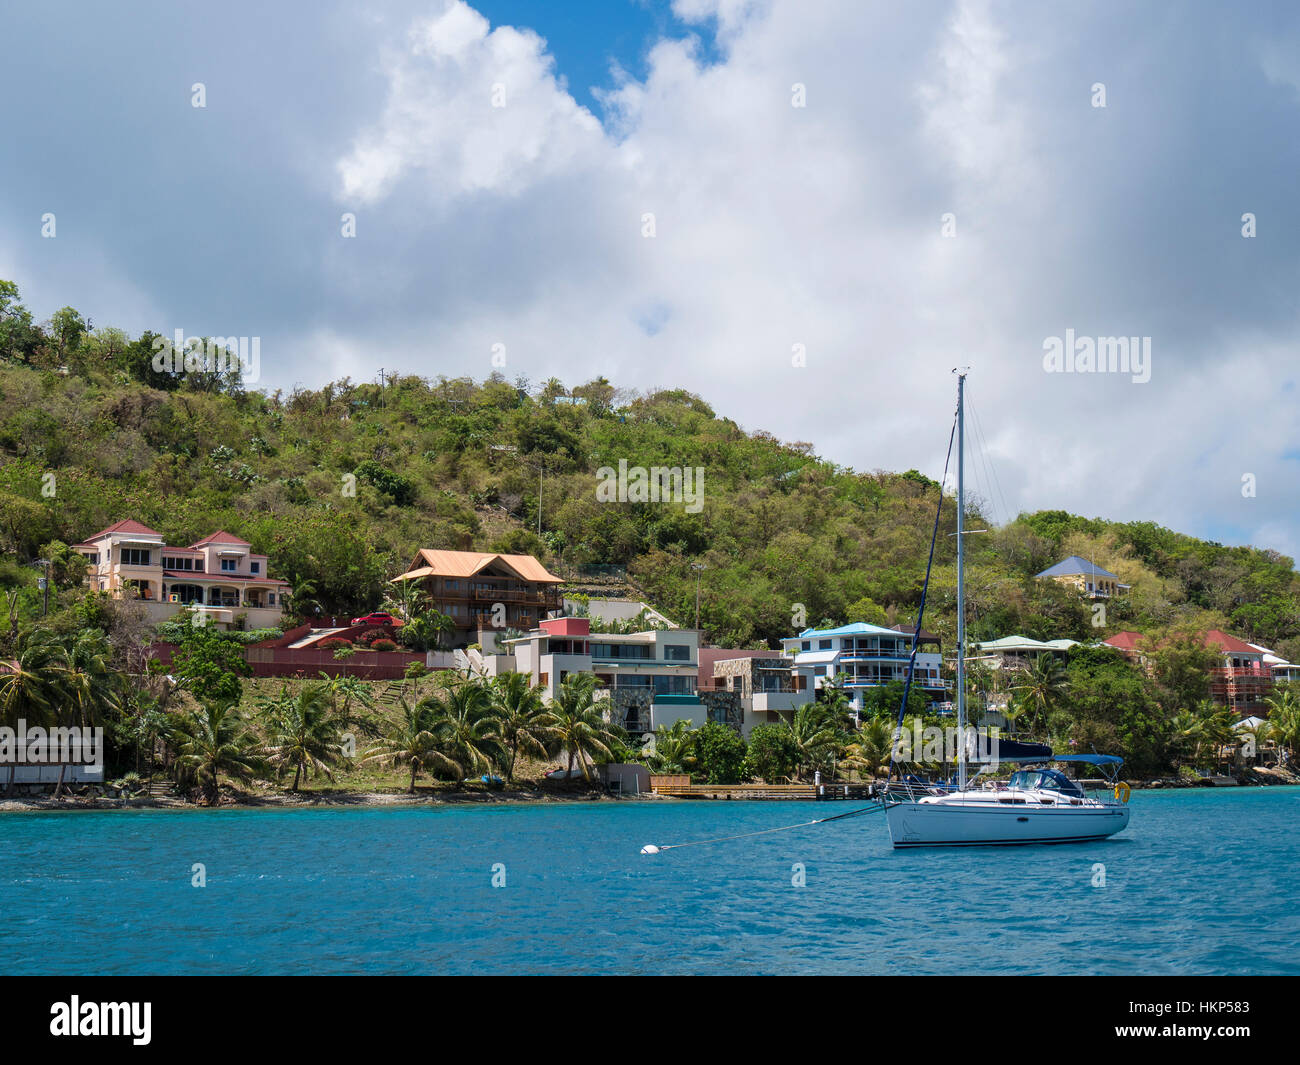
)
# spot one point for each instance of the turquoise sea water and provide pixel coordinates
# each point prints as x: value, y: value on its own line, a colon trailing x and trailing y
x: 1201, y: 882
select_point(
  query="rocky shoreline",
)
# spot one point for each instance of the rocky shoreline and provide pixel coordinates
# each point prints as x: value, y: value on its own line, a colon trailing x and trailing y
x: 301, y: 800
x: 1248, y: 778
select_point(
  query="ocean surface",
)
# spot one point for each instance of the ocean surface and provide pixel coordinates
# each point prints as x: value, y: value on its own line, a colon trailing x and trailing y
x: 1202, y: 881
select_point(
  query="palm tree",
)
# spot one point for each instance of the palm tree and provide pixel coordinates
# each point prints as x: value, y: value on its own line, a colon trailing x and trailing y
x: 1186, y: 732
x: 522, y: 718
x: 1216, y: 726
x: 215, y: 739
x: 411, y: 742
x: 580, y: 730
x: 304, y: 734
x: 350, y: 689
x: 834, y: 705
x: 441, y: 626
x: 405, y: 599
x: 302, y: 597
x: 35, y: 684
x: 426, y: 630
x: 1284, y: 719
x: 466, y: 728
x: 813, y: 739
x: 1012, y: 712
x: 1040, y: 692
x: 674, y: 747
x: 870, y: 748
x: 93, y: 686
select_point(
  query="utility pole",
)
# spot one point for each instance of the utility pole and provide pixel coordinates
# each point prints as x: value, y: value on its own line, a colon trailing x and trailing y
x: 541, y: 470
x: 45, y: 585
x: 699, y: 568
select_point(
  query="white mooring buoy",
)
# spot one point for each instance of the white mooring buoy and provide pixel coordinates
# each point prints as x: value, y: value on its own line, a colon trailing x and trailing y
x: 649, y: 848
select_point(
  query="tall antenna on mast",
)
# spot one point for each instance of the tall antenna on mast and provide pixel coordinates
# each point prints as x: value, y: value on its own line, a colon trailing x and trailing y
x: 961, y: 577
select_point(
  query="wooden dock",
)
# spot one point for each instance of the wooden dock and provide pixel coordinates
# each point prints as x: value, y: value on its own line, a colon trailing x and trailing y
x: 682, y: 788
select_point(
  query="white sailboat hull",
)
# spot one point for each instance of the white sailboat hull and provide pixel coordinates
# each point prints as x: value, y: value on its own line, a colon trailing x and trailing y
x: 940, y: 824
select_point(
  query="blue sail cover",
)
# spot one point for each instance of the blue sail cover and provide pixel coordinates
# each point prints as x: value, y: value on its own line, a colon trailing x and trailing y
x: 1015, y: 751
x: 1091, y: 759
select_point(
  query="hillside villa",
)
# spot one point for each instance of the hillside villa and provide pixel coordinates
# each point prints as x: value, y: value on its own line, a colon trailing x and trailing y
x: 869, y: 656
x: 1015, y: 652
x: 1087, y: 578
x: 768, y: 688
x: 220, y: 576
x: 1243, y: 680
x: 483, y: 593
x: 649, y: 677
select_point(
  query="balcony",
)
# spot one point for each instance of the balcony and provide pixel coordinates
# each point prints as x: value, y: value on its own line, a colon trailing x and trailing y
x: 504, y: 595
x: 776, y: 702
x: 873, y: 653
x: 644, y: 663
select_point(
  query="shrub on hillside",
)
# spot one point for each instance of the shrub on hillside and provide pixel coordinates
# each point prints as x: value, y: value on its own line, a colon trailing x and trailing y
x: 720, y: 753
x: 383, y: 645
x: 331, y: 642
x: 368, y: 637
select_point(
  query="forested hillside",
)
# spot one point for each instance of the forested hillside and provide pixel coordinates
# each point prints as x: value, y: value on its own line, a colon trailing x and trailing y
x: 785, y: 535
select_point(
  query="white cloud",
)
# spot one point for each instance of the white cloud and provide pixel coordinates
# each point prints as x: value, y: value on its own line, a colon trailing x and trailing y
x: 778, y: 225
x: 469, y: 110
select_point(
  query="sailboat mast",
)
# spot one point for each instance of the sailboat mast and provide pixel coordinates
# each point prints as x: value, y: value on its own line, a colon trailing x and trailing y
x: 961, y: 581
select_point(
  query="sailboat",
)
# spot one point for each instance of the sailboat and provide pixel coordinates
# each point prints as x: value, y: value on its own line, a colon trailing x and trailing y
x: 1038, y: 804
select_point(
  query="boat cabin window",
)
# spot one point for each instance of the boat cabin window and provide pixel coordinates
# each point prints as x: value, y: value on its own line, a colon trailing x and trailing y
x: 1047, y: 779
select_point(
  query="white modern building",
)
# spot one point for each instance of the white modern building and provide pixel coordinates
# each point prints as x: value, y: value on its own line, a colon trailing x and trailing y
x: 768, y: 688
x: 869, y: 656
x: 649, y: 677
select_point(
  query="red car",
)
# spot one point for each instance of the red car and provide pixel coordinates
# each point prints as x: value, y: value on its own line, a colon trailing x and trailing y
x: 379, y: 617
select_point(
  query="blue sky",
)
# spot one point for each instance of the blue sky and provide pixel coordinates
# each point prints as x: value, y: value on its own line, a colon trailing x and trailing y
x: 586, y: 36
x: 807, y: 212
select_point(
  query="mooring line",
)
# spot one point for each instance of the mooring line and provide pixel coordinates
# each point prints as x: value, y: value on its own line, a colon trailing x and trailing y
x: 650, y: 848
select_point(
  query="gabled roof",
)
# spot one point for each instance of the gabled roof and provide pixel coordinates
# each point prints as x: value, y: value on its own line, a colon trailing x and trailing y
x: 1014, y: 643
x: 1125, y: 641
x: 124, y: 526
x: 469, y: 563
x: 1074, y: 566
x: 220, y: 537
x: 1224, y: 642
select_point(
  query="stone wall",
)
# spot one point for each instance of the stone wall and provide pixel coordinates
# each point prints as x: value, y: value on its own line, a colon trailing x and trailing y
x: 723, y: 707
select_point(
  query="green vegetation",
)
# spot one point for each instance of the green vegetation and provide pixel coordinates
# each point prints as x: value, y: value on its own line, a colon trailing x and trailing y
x: 342, y: 484
x: 779, y: 526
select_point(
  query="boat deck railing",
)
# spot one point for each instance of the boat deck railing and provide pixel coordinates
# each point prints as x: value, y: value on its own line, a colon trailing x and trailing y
x: 910, y: 791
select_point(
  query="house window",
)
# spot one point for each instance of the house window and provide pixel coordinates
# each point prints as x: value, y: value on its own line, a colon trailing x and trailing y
x: 135, y: 556
x: 229, y: 565
x: 806, y: 645
x: 270, y: 598
x: 824, y: 645
x: 677, y: 652
x: 255, y: 567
